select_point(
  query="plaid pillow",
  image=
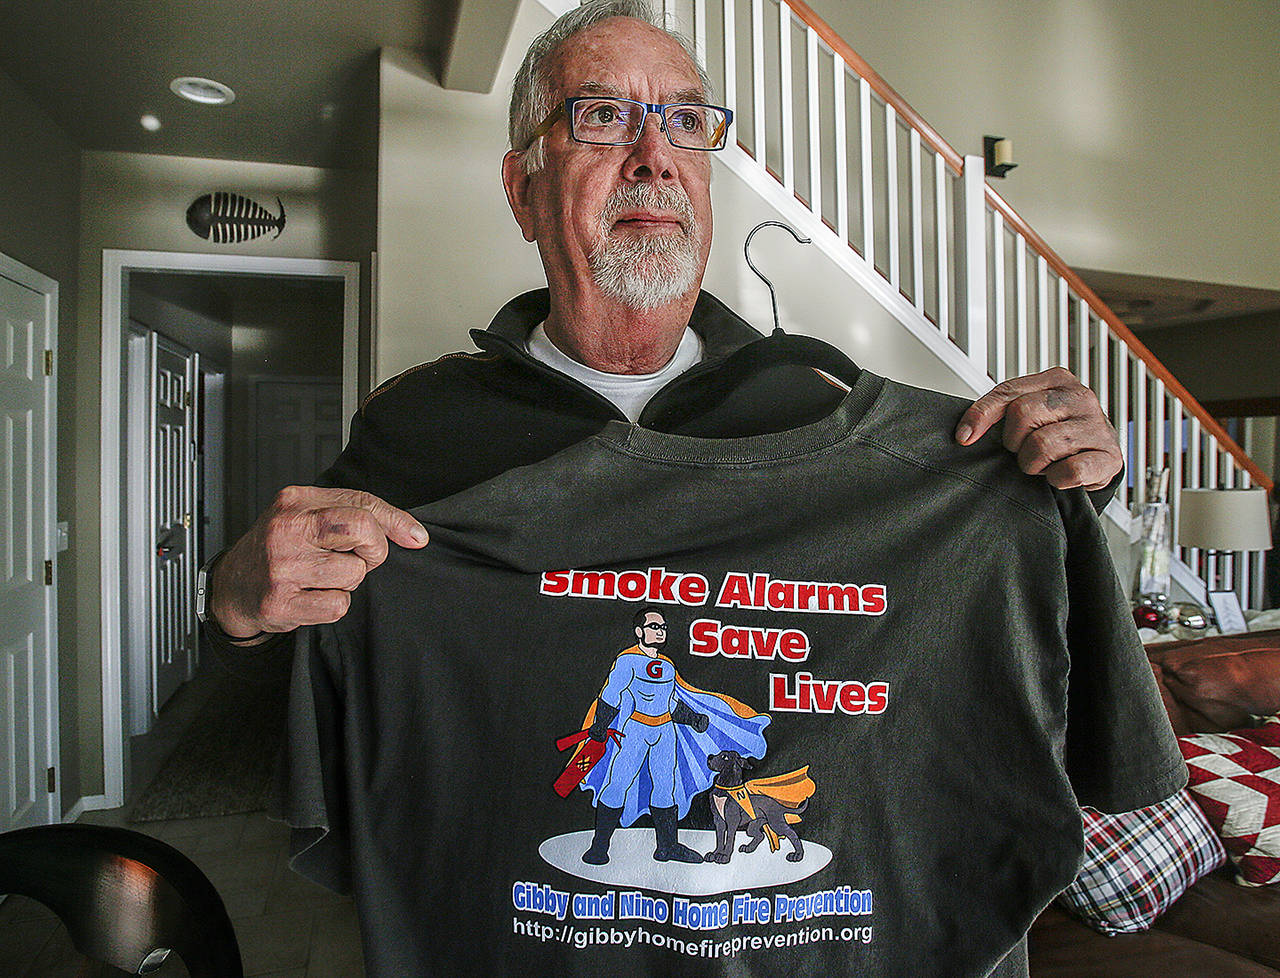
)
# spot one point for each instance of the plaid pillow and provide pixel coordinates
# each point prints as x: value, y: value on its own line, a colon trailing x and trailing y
x: 1137, y: 863
x: 1235, y: 779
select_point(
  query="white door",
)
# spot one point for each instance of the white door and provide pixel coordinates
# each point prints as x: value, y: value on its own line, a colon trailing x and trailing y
x: 299, y: 432
x: 173, y: 625
x: 28, y: 668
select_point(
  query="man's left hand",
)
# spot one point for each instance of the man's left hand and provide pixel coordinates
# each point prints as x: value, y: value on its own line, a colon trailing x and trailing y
x: 1054, y: 424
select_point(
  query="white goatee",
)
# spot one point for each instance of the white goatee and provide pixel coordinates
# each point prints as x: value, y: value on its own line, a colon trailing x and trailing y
x: 646, y: 272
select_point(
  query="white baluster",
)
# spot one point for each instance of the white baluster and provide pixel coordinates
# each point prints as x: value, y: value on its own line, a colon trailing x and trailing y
x: 868, y: 202
x: 940, y: 178
x: 891, y: 191
x: 788, y: 122
x: 1176, y: 469
x: 1161, y: 445
x: 1000, y: 339
x: 1192, y: 554
x: 1064, y: 325
x: 700, y: 29
x: 917, y: 226
x: 1042, y: 313
x: 1102, y: 384
x: 1196, y: 460
x: 1141, y: 433
x: 815, y: 131
x: 1020, y: 301
x: 1122, y: 409
x: 758, y: 124
x: 842, y: 151
x: 730, y: 57
x: 1243, y: 587
x: 1082, y: 340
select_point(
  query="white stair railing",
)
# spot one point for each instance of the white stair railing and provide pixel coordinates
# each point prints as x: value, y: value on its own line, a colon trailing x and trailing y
x: 824, y: 139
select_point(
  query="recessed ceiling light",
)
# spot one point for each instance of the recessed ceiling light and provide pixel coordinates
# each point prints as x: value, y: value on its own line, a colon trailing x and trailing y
x: 205, y: 91
x: 150, y: 123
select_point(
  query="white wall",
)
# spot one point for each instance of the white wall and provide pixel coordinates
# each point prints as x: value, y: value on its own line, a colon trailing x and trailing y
x: 1145, y: 131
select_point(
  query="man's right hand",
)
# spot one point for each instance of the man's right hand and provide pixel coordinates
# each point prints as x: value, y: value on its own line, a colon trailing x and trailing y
x: 303, y: 557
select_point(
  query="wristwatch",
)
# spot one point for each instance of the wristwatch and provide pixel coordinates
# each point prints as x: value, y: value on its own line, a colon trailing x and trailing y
x: 202, y: 604
x: 202, y: 588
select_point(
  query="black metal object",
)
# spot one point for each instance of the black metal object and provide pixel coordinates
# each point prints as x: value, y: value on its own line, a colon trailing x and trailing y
x: 746, y: 253
x: 227, y: 218
x: 991, y: 167
x: 126, y: 899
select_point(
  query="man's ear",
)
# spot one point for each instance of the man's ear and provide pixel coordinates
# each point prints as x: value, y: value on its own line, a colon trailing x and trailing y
x: 516, y: 183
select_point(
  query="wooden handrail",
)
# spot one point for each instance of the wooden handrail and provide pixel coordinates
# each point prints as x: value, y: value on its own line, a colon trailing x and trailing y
x: 878, y: 84
x: 1157, y: 369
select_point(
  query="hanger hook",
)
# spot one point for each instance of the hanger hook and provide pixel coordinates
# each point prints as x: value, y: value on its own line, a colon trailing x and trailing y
x: 746, y: 253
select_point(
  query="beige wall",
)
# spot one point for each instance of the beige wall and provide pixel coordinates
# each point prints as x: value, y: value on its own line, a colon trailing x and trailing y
x: 448, y: 251
x: 1145, y: 132
x: 39, y: 226
x: 133, y: 201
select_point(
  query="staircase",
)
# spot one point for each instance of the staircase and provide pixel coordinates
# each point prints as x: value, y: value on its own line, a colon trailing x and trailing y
x: 830, y: 145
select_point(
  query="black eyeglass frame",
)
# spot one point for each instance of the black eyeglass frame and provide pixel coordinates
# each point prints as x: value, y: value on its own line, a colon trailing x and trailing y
x: 565, y: 110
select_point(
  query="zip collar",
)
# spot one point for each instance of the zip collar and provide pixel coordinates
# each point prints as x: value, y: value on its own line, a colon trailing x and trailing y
x: 721, y: 331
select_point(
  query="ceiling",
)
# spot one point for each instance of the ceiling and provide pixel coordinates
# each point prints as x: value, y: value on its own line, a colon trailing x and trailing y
x: 1146, y: 302
x: 302, y: 70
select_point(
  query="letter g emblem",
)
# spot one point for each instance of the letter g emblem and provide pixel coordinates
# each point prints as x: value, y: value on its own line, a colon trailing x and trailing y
x: 654, y: 669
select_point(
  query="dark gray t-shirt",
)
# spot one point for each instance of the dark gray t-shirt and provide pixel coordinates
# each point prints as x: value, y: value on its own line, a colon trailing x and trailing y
x: 891, y: 669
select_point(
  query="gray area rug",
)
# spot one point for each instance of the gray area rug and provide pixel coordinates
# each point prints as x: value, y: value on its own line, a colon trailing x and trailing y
x: 225, y: 762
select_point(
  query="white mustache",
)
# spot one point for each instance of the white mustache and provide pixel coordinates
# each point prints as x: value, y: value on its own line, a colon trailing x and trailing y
x: 647, y: 196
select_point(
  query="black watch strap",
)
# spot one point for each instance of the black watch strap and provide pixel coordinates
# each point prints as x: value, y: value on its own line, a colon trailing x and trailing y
x: 202, y: 603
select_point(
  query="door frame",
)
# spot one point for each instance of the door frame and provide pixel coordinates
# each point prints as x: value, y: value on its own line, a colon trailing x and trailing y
x: 47, y: 287
x: 116, y: 263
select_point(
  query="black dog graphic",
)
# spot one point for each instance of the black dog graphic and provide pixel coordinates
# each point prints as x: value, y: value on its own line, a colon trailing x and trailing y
x: 766, y: 807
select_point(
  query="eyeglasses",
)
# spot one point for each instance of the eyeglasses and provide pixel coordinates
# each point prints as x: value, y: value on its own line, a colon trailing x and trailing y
x: 657, y: 627
x: 619, y: 122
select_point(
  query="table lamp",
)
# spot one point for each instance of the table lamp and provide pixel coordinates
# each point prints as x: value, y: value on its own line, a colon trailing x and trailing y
x: 1219, y: 520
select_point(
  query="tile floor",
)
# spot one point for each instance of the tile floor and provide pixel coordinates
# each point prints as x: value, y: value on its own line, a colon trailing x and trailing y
x: 287, y: 927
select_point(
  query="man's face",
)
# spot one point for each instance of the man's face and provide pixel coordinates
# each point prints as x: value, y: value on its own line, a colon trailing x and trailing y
x: 617, y: 219
x: 653, y: 633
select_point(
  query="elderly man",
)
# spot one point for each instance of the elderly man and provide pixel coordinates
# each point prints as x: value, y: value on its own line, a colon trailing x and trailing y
x: 423, y: 722
x: 624, y: 232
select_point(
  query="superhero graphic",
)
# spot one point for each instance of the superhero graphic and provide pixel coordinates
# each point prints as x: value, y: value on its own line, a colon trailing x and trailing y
x: 644, y: 743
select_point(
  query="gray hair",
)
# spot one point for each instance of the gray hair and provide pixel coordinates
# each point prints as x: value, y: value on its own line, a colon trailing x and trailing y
x: 531, y: 98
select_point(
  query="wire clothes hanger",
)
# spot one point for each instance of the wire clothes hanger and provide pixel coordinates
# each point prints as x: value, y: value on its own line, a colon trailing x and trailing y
x: 746, y: 253
x: 781, y: 348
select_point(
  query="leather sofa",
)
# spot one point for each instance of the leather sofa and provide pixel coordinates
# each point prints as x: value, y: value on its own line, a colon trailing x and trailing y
x: 1217, y: 929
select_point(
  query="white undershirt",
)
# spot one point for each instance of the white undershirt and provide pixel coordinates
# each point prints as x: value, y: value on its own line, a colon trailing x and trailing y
x: 629, y: 392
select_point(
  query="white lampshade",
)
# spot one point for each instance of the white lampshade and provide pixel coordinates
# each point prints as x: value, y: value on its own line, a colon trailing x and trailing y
x: 1224, y: 519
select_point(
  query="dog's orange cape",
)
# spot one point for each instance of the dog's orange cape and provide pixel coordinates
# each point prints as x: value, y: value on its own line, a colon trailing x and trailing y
x: 791, y: 790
